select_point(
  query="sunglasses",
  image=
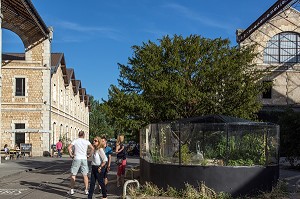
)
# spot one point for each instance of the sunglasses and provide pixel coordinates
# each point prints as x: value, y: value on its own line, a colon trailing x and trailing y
x: 95, y: 140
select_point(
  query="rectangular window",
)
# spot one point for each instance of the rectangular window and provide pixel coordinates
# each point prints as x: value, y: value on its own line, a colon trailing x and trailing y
x: 19, y: 137
x: 267, y: 94
x: 19, y: 125
x: 20, y: 87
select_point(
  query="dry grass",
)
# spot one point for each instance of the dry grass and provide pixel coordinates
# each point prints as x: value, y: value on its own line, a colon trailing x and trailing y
x: 150, y: 190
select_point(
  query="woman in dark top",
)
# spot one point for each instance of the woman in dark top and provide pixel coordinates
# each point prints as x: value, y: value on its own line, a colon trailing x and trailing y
x: 121, y: 154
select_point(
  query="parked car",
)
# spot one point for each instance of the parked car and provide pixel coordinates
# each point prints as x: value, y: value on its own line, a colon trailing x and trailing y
x: 112, y: 144
x: 132, y: 148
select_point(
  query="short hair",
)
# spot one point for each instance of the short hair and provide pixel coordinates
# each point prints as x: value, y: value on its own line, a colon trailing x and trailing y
x: 103, y: 137
x: 81, y: 134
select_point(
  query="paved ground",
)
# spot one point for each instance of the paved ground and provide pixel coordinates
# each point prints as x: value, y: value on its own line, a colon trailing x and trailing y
x: 45, y: 178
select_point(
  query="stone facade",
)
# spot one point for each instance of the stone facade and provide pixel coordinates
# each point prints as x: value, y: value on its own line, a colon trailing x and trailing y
x: 31, y: 108
x: 40, y: 102
x: 69, y: 112
x: 285, y: 76
x: 54, y: 105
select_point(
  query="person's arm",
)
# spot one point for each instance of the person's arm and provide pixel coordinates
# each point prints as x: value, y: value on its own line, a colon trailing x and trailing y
x: 70, y: 151
x: 118, y: 149
x: 103, y: 158
x: 91, y: 151
x: 109, y: 161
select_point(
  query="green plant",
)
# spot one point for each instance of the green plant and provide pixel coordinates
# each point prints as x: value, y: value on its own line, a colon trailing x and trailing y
x: 66, y: 141
x: 240, y: 162
x: 243, y: 149
x: 246, y: 150
x: 215, y: 145
x: 279, y: 191
x: 185, y: 154
x: 172, y: 192
x: 150, y: 189
x: 190, y: 192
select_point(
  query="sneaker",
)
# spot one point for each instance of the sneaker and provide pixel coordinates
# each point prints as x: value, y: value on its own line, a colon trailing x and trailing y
x: 71, y: 192
x: 86, y: 192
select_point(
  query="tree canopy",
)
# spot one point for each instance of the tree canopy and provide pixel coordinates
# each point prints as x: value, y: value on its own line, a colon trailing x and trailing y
x: 98, y: 121
x: 184, y: 77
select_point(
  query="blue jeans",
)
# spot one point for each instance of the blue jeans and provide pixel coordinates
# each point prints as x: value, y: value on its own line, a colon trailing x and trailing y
x: 59, y: 153
x: 95, y: 175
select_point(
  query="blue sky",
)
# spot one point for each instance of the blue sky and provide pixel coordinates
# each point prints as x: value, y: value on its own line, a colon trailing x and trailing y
x: 95, y: 35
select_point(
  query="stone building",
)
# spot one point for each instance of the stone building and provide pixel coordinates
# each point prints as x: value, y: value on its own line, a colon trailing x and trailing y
x: 69, y: 102
x: 276, y: 34
x: 41, y: 101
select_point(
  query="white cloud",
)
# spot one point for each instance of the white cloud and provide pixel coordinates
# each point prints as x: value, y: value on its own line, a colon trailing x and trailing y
x: 106, y: 32
x: 157, y: 33
x: 189, y: 14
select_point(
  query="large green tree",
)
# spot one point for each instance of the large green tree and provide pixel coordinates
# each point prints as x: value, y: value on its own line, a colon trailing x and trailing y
x: 98, y: 121
x: 185, y: 77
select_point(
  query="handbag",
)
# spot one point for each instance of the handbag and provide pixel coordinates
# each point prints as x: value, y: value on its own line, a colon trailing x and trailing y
x: 119, y: 161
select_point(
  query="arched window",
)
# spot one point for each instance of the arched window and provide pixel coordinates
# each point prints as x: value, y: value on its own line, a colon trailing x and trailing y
x: 283, y: 48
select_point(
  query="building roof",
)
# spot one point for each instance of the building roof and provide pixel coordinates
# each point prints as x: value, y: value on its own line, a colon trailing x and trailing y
x: 57, y: 59
x: 77, y: 85
x: 82, y: 93
x: 87, y: 101
x: 13, y: 56
x: 214, y: 119
x: 21, y: 17
x: 277, y: 7
x: 70, y: 74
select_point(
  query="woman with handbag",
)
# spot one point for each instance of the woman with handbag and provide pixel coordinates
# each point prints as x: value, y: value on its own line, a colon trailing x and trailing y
x: 98, y: 168
x: 121, y: 159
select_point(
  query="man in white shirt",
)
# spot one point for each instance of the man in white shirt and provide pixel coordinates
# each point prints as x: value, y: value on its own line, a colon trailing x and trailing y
x: 79, y: 156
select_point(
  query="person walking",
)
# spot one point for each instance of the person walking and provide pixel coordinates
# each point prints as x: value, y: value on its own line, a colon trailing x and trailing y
x: 59, y: 146
x: 121, y: 157
x: 17, y: 149
x: 98, y: 168
x: 108, y: 152
x: 79, y: 156
x: 6, y: 151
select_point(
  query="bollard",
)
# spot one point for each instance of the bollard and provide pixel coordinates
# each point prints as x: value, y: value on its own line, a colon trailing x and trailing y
x: 125, y: 186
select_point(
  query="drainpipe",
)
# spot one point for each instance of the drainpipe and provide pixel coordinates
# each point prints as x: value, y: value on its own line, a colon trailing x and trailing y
x: 50, y: 37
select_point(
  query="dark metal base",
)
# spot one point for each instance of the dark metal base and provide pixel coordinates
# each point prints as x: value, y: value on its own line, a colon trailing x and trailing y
x: 230, y: 179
